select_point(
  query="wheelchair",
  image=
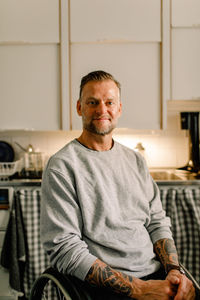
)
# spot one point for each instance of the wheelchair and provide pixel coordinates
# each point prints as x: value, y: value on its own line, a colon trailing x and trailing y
x: 65, y: 287
x: 53, y: 285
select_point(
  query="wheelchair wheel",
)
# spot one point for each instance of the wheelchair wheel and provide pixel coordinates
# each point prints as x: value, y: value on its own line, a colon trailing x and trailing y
x: 51, y: 285
x: 189, y: 275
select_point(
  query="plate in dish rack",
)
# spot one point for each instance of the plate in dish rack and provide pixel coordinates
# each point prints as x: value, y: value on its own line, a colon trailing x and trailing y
x: 6, y: 152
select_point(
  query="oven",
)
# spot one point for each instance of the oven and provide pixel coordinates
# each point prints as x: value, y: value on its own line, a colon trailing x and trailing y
x: 6, y: 195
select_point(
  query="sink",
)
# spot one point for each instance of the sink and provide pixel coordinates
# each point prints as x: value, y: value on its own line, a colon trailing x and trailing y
x: 165, y: 175
x: 173, y: 175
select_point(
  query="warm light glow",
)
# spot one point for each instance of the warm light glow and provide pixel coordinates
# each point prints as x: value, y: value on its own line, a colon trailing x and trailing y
x: 152, y: 152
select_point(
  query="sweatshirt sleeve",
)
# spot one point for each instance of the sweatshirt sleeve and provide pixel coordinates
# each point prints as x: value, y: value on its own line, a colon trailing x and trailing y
x: 159, y: 224
x: 61, y: 225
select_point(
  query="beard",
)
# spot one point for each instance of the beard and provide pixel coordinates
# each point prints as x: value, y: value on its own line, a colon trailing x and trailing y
x: 91, y: 127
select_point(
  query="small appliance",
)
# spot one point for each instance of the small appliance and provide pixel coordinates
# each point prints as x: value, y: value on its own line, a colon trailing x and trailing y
x: 190, y: 121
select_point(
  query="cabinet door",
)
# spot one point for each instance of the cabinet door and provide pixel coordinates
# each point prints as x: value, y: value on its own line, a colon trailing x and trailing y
x: 94, y: 20
x: 29, y: 21
x: 29, y: 87
x: 185, y: 13
x: 186, y: 64
x: 136, y: 66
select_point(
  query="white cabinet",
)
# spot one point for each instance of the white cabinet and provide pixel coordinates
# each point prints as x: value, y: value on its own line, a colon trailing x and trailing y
x: 42, y: 60
x: 29, y: 81
x: 29, y: 21
x: 185, y: 56
x: 186, y: 64
x: 30, y: 60
x: 122, y: 38
x: 136, y: 66
x: 105, y: 20
x: 185, y: 13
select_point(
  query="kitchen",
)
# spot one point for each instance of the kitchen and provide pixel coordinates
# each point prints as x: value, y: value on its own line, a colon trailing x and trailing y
x: 152, y: 47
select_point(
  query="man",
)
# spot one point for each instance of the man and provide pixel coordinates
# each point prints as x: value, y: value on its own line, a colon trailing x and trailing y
x: 102, y: 219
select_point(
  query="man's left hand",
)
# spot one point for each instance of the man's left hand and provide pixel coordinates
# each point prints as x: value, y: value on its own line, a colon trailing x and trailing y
x: 185, y: 290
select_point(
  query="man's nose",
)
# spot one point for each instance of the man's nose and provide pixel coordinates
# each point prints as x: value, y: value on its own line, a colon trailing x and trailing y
x: 101, y: 108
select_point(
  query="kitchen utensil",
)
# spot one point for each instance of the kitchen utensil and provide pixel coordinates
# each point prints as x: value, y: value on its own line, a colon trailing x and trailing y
x: 6, y: 152
x: 33, y: 162
x: 29, y: 148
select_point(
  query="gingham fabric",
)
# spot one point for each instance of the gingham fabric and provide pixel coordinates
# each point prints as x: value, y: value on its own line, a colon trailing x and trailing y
x: 37, y: 260
x: 182, y: 205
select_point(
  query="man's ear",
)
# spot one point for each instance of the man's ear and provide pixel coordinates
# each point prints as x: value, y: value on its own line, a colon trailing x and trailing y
x: 78, y: 107
x: 120, y: 109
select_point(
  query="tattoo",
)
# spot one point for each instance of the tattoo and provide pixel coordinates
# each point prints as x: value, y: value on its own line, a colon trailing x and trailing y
x: 166, y: 252
x: 102, y: 275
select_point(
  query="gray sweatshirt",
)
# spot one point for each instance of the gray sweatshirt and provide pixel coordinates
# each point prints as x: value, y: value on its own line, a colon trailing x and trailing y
x: 101, y: 205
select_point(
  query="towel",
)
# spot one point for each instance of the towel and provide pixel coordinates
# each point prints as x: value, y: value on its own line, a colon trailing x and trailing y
x: 182, y: 205
x: 13, y: 253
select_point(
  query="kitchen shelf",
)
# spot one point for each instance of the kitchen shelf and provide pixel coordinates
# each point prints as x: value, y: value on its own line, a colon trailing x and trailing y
x: 183, y: 105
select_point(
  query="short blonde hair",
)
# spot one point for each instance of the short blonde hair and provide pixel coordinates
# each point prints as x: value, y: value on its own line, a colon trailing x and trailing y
x: 97, y: 76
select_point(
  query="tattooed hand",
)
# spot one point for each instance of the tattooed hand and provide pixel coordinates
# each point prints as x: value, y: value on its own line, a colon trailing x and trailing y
x: 102, y: 275
x: 166, y: 252
x: 185, y: 288
x: 176, y: 286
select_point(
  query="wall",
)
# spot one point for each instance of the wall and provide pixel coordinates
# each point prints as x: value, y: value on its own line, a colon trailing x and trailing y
x: 166, y: 148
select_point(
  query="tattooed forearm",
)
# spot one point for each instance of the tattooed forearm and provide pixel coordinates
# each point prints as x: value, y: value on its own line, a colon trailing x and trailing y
x: 102, y: 275
x: 166, y: 252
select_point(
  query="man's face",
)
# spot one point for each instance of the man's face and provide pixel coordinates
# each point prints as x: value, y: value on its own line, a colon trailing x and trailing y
x: 100, y: 106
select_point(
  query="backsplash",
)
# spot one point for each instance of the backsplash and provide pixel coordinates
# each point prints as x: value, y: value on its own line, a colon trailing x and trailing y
x: 163, y: 148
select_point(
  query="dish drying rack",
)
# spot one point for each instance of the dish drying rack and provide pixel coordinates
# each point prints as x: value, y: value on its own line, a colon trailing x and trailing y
x: 9, y: 168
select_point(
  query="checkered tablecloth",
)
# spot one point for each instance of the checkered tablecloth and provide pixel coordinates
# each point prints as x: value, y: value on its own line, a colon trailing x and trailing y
x: 182, y: 205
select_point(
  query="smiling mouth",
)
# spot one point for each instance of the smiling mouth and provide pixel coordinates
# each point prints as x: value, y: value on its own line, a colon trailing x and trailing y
x: 101, y: 119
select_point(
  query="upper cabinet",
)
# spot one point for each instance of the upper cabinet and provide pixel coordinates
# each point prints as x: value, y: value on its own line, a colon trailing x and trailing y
x: 46, y: 46
x: 29, y: 93
x: 185, y: 50
x: 185, y: 13
x: 110, y: 20
x: 136, y: 66
x: 30, y: 58
x: 186, y: 64
x: 32, y: 21
x: 122, y: 38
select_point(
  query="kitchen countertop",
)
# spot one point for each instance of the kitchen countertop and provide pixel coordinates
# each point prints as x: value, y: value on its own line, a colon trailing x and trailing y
x: 166, y: 176
x: 20, y: 182
x: 162, y: 176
